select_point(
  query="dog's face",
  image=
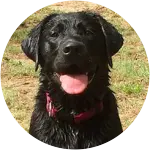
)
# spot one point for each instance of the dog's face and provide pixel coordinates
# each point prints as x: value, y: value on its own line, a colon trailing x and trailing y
x: 72, y: 47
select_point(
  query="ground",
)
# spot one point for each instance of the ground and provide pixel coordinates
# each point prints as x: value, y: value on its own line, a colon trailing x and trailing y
x: 130, y: 74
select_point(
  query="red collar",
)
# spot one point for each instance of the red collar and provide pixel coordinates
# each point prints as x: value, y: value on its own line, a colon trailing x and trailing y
x: 77, y: 118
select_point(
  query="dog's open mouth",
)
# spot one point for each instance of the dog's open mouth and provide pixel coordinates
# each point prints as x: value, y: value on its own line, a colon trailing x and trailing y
x: 76, y: 83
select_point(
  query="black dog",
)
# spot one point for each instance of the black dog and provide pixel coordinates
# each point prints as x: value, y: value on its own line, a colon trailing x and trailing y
x: 74, y: 106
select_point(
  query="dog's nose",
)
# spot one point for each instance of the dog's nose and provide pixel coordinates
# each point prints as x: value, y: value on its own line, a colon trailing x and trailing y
x: 74, y: 49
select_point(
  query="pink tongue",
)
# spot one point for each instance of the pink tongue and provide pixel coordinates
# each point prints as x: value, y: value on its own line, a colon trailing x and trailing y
x: 74, y: 84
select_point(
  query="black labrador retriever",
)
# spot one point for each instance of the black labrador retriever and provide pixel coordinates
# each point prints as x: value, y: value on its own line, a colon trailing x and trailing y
x: 75, y: 107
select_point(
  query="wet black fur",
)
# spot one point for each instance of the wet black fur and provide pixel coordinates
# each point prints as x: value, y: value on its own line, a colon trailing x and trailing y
x: 44, y: 45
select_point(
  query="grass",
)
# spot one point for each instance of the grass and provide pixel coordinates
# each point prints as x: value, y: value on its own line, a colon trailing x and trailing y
x: 20, y: 68
x: 19, y: 35
x: 130, y: 73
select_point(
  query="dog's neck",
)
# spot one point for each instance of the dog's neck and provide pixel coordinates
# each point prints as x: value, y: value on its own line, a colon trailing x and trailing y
x: 59, y: 114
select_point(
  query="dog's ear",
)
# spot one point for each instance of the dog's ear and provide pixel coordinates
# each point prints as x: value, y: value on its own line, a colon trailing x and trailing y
x: 113, y: 38
x: 30, y: 45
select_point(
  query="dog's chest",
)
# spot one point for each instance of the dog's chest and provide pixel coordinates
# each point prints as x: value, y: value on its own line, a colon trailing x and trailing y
x: 71, y: 137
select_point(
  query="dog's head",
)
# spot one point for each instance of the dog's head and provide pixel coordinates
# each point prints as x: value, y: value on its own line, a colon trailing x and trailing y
x: 72, y: 46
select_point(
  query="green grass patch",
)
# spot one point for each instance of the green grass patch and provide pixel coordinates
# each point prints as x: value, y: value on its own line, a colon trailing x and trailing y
x: 19, y: 35
x: 131, y: 88
x: 131, y: 69
x: 10, y: 96
x: 128, y: 88
x: 20, y: 68
x: 13, y: 49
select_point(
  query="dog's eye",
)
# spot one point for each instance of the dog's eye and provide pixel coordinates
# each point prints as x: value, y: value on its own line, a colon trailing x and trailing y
x: 54, y: 34
x: 89, y: 32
